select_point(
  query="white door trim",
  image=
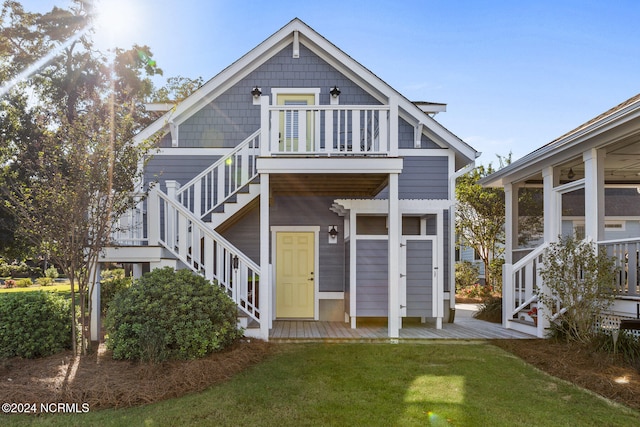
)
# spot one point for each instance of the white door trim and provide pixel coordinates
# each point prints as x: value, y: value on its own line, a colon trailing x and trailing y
x: 316, y: 262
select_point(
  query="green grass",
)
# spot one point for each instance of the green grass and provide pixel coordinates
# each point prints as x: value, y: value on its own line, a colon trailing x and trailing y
x: 61, y: 287
x: 373, y: 385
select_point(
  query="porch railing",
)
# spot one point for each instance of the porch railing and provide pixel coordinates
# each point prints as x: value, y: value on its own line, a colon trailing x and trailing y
x: 521, y: 285
x: 626, y: 253
x: 329, y: 130
x: 206, y: 252
x: 221, y: 180
x: 130, y: 229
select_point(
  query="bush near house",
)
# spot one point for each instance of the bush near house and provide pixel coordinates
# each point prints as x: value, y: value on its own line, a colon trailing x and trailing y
x: 169, y: 315
x: 581, y: 277
x: 113, y: 281
x: 34, y: 324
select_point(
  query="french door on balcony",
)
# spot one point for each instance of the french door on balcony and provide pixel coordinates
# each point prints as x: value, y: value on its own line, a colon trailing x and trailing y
x: 296, y: 127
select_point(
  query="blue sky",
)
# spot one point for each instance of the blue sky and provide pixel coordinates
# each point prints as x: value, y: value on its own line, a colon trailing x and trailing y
x: 514, y: 74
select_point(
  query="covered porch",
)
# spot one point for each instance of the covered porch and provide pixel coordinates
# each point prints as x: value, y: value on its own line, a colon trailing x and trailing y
x: 587, y: 184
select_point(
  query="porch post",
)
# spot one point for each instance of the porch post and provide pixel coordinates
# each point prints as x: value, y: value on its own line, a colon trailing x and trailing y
x: 95, y: 306
x: 552, y: 212
x: 265, y: 146
x: 353, y: 267
x: 265, y: 277
x: 552, y: 206
x: 394, y: 321
x: 594, y: 194
x: 511, y: 221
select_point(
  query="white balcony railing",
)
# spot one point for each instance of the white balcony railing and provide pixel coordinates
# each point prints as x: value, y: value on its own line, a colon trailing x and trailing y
x: 326, y: 130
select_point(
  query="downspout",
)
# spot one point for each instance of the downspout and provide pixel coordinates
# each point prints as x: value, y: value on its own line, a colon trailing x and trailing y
x: 452, y: 235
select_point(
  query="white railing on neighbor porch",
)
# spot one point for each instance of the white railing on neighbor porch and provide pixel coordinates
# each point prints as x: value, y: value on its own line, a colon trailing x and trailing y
x: 221, y: 180
x: 626, y: 253
x: 326, y: 130
x: 521, y: 282
x: 205, y: 251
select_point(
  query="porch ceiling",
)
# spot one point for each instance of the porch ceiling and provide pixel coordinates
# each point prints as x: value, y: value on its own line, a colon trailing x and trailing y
x: 352, y: 185
x: 621, y: 165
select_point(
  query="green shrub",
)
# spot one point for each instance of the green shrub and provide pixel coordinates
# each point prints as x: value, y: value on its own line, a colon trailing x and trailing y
x: 467, y: 274
x: 581, y: 277
x: 113, y: 281
x: 170, y: 315
x: 34, y: 324
x: 627, y: 344
x: 44, y: 281
x: 490, y: 310
x: 24, y: 283
x: 51, y: 273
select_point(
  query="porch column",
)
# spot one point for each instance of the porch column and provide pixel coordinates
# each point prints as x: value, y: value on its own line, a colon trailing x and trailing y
x: 594, y: 194
x: 511, y: 220
x: 552, y: 206
x: 552, y: 212
x: 153, y: 217
x: 95, y: 306
x: 353, y: 268
x: 394, y: 320
x: 265, y: 147
x: 265, y: 276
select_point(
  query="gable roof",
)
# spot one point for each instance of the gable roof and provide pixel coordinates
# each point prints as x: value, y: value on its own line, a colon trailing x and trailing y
x: 621, y: 113
x: 328, y: 52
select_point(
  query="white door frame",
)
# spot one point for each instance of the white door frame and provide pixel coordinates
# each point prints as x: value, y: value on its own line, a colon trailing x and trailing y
x: 316, y: 262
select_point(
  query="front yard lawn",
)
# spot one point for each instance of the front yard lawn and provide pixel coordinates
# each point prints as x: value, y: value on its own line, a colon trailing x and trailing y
x: 430, y: 383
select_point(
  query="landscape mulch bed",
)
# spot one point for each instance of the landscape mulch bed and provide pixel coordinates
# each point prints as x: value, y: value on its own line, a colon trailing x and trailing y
x: 103, y: 382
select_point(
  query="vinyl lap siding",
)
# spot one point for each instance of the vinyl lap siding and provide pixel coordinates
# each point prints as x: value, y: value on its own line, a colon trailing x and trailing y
x: 422, y: 178
x: 372, y: 276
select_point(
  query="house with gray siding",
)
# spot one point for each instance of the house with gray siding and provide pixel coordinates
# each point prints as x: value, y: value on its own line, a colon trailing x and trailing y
x: 307, y: 187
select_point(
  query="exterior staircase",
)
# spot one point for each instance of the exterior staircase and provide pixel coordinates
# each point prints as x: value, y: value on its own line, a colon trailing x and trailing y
x: 183, y: 221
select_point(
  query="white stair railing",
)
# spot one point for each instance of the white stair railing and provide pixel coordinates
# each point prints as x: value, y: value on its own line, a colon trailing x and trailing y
x: 221, y: 180
x: 208, y: 253
x: 522, y: 280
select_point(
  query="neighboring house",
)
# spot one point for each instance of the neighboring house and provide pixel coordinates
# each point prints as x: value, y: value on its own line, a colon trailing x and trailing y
x: 465, y: 253
x: 590, y: 178
x: 307, y: 187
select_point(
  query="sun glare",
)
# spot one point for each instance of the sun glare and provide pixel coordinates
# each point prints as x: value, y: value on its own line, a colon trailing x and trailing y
x: 116, y: 23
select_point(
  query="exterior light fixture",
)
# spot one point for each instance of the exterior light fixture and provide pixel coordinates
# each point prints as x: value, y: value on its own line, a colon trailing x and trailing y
x: 335, y: 92
x: 333, y: 232
x: 256, y: 92
x: 571, y: 174
x: 234, y: 262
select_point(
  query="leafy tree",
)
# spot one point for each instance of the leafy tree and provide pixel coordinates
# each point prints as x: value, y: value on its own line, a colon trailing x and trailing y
x: 581, y: 278
x: 69, y: 163
x: 177, y: 89
x: 480, y: 217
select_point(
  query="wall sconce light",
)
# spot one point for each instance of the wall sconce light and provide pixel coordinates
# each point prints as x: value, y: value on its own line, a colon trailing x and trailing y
x: 335, y: 92
x: 571, y: 174
x: 333, y: 234
x: 256, y: 92
x: 234, y: 262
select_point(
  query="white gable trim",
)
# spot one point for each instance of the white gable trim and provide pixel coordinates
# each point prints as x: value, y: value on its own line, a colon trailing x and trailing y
x: 325, y: 50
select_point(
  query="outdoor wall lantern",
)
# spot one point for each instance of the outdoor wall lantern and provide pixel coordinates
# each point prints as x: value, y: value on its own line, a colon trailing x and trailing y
x: 335, y: 92
x: 571, y: 174
x: 256, y: 92
x: 234, y: 262
x: 333, y: 234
